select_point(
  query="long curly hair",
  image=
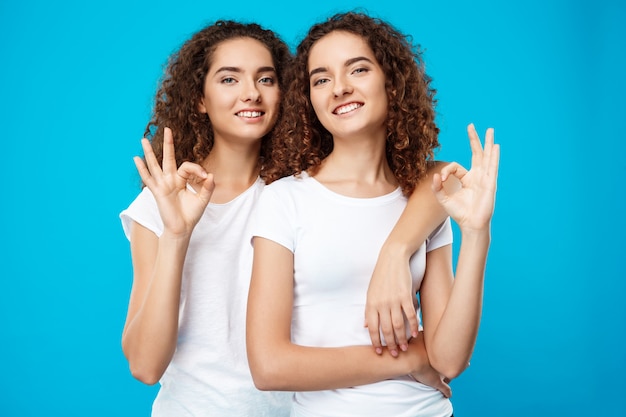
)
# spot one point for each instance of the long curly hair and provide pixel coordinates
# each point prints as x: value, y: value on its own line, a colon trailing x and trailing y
x: 300, y: 140
x: 181, y: 89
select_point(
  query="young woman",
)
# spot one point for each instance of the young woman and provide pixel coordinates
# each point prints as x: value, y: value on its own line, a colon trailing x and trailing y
x: 365, y: 111
x: 191, y: 259
x: 189, y: 233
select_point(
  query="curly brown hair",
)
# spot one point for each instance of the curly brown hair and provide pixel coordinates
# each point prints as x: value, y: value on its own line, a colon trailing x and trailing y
x: 300, y: 140
x: 181, y: 89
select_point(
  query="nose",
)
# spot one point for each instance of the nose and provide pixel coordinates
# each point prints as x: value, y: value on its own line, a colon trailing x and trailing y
x: 251, y: 92
x: 341, y: 87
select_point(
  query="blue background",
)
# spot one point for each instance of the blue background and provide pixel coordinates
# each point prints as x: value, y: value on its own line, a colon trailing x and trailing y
x: 76, y: 84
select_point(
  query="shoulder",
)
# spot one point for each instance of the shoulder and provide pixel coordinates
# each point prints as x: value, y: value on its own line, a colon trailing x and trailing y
x: 144, y: 201
x: 142, y: 210
x: 433, y: 167
x: 289, y: 184
x: 287, y: 193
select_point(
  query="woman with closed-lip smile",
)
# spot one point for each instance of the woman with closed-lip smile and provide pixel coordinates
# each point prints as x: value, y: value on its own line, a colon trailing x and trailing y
x: 188, y: 229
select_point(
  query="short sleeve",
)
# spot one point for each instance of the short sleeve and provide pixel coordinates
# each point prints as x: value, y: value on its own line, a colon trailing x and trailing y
x: 274, y: 218
x: 144, y: 211
x: 440, y: 237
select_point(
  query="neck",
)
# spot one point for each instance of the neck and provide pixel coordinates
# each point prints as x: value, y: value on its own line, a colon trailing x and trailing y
x: 358, y: 167
x: 235, y: 168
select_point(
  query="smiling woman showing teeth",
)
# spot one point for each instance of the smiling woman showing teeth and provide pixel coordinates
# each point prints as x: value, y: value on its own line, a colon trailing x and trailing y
x: 358, y: 144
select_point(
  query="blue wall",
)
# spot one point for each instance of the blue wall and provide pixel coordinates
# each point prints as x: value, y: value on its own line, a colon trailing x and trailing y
x: 76, y: 83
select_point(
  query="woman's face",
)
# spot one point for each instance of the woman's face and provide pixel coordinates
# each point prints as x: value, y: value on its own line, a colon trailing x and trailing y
x: 241, y: 94
x: 347, y: 86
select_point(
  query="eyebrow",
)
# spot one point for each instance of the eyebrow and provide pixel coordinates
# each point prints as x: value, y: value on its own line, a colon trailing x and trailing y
x: 347, y: 64
x: 237, y: 69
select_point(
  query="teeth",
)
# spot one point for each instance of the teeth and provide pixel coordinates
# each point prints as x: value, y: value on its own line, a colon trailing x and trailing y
x: 348, y: 108
x: 249, y: 114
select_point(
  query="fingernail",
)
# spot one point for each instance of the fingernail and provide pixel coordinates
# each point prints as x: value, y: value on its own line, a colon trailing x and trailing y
x: 379, y: 351
x: 403, y: 348
x: 394, y: 353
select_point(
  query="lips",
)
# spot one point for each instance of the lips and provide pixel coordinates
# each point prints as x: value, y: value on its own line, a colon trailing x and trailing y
x: 346, y: 108
x: 250, y: 113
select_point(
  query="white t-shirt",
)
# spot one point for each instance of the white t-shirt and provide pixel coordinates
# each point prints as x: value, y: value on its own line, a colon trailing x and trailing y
x: 336, y: 241
x: 209, y: 373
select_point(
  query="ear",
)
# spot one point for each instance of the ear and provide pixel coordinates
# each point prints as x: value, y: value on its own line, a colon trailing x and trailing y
x: 201, y: 106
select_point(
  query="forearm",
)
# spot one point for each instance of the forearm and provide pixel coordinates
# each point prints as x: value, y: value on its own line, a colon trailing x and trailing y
x: 455, y: 338
x: 289, y: 367
x: 455, y: 306
x: 150, y: 338
x: 390, y: 295
x: 278, y: 364
x: 422, y: 209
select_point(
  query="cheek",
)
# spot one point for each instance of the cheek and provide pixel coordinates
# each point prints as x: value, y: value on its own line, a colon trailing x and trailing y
x: 276, y: 99
x: 316, y: 103
x: 272, y: 98
x: 383, y: 102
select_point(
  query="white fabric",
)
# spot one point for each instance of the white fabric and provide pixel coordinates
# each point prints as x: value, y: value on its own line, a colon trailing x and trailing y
x: 336, y: 241
x: 209, y: 373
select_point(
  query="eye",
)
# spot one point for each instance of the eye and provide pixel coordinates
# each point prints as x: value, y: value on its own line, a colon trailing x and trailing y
x: 320, y: 81
x: 228, y: 80
x: 267, y: 80
x: 360, y: 70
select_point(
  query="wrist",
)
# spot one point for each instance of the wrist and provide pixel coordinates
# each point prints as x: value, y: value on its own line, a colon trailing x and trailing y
x: 397, y: 250
x: 419, y: 357
x: 175, y: 237
x: 482, y: 235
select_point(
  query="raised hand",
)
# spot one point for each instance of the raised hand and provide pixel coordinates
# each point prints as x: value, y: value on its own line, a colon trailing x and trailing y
x: 472, y: 205
x: 180, y: 207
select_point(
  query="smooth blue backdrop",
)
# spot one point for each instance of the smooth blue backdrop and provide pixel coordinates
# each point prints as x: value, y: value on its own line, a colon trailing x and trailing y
x: 76, y: 83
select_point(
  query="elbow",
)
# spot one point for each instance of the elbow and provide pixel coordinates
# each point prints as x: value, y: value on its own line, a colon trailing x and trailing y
x: 145, y: 374
x: 262, y: 382
x: 452, y: 373
x: 266, y: 373
x: 264, y: 378
x: 143, y: 370
x: 449, y: 369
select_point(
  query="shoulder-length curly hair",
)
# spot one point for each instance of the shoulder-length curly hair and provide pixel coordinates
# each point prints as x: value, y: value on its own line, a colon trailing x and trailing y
x: 300, y: 140
x: 182, y: 86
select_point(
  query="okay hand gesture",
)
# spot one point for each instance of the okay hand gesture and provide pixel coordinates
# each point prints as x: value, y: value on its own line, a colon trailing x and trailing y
x: 180, y: 206
x: 472, y: 205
